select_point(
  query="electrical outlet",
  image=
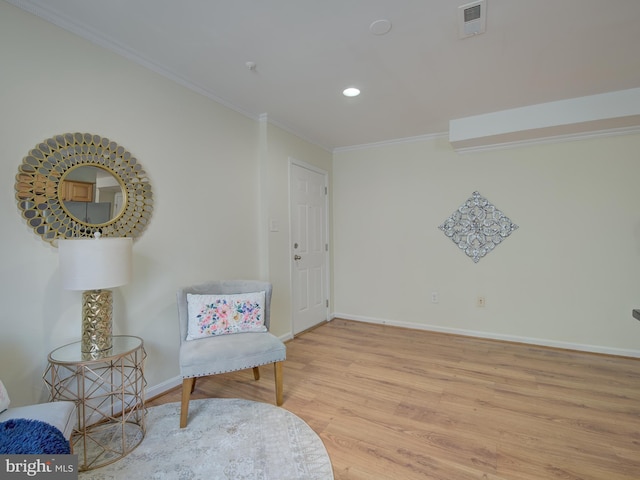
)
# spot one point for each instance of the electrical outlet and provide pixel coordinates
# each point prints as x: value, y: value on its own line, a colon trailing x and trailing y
x: 435, y: 297
x: 480, y: 302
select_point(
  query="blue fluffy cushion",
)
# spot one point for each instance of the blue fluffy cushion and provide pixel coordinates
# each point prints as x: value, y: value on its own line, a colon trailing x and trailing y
x: 20, y: 436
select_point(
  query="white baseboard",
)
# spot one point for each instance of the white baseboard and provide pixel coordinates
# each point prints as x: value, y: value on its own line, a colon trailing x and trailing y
x: 620, y: 352
x: 163, y: 387
x: 286, y: 337
x: 167, y: 385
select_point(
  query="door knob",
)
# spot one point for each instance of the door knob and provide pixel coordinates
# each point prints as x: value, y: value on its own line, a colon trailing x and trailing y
x: 297, y: 257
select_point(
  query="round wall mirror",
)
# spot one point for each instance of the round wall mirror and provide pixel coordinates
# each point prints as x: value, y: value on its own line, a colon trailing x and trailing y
x: 75, y: 185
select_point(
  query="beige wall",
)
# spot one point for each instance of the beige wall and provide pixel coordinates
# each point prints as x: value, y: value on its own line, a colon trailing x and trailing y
x: 567, y: 277
x: 204, y: 226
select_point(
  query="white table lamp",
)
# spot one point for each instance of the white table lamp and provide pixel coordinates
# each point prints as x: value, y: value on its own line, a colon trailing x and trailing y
x: 94, y: 266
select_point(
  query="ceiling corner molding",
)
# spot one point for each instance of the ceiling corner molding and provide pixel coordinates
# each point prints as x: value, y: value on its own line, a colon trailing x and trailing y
x: 613, y: 113
x: 384, y: 143
x: 116, y: 47
x: 27, y: 7
x: 265, y: 118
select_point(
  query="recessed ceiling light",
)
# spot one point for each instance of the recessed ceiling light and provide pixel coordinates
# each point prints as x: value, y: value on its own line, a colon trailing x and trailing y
x: 351, y: 92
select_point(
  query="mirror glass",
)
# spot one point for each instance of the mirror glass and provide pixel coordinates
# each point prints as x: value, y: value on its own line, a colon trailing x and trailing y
x: 91, y: 195
x: 77, y: 184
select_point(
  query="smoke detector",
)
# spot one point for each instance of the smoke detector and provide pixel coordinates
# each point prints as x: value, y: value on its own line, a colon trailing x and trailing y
x: 472, y: 19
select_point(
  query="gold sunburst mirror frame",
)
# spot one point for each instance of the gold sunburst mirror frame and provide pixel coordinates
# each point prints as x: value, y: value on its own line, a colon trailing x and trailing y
x: 40, y: 195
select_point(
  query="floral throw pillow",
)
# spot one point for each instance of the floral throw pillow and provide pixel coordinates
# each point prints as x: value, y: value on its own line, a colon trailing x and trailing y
x: 4, y: 398
x: 225, y: 314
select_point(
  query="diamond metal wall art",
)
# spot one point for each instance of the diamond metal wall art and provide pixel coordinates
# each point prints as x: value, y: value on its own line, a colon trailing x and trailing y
x: 477, y: 227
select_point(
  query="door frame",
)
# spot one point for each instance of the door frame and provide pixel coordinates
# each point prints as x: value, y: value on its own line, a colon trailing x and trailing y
x: 327, y: 264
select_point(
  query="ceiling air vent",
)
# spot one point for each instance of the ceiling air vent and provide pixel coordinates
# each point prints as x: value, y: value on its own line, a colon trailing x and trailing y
x: 472, y: 19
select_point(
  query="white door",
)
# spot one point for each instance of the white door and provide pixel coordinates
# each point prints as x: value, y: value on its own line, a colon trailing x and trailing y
x: 309, y: 247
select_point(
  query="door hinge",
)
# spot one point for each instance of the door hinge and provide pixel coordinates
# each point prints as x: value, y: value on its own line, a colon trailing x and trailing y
x: 326, y: 247
x: 326, y: 191
x: 327, y: 303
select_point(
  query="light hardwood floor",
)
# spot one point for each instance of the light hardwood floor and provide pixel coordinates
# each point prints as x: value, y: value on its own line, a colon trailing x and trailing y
x: 393, y: 403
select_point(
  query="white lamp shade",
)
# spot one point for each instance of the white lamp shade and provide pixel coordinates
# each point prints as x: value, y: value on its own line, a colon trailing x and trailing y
x: 95, y: 263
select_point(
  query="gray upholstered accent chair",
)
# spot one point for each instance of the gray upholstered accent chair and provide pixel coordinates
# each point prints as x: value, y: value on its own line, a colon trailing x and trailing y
x: 227, y: 353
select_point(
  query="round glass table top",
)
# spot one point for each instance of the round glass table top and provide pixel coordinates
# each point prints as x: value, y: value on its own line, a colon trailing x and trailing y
x: 71, y: 353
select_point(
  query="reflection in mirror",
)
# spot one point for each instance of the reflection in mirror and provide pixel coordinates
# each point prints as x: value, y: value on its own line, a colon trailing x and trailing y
x: 91, y: 194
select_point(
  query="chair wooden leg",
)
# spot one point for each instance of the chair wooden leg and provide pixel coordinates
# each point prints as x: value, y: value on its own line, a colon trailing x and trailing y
x: 193, y: 385
x: 188, y: 385
x: 277, y: 367
x: 256, y: 373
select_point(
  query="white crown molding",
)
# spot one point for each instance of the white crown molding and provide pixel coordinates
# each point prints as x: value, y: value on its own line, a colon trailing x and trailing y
x: 466, y: 143
x: 113, y: 45
x: 418, y: 138
x: 264, y: 118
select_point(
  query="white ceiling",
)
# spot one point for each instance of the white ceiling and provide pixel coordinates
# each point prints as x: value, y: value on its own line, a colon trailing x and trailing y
x: 414, y: 80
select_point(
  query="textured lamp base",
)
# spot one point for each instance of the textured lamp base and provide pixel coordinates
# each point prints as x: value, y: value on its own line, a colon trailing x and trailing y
x: 97, y: 306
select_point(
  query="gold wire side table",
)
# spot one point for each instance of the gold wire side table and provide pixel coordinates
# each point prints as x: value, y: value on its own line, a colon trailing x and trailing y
x: 108, y: 389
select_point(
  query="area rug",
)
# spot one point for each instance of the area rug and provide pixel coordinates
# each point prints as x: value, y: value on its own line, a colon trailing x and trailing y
x: 224, y: 439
